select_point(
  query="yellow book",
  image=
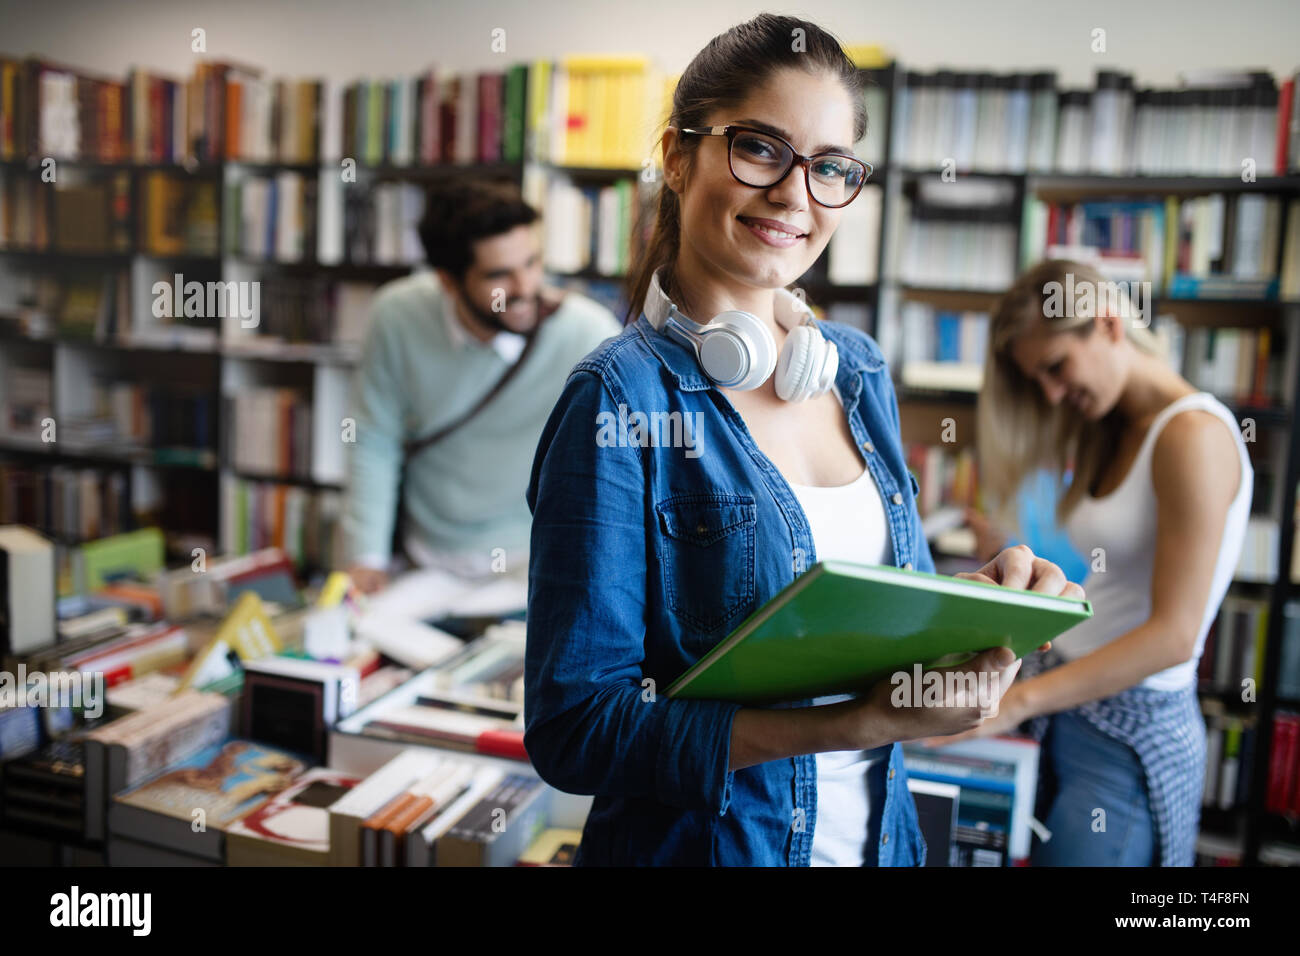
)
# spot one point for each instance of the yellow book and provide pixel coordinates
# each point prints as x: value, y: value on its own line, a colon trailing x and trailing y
x: 578, y: 147
x: 246, y: 630
x: 374, y: 122
x: 867, y: 56
x: 7, y: 145
x: 1171, y: 241
x: 592, y: 63
x: 597, y: 126
x: 632, y: 144
x: 536, y: 138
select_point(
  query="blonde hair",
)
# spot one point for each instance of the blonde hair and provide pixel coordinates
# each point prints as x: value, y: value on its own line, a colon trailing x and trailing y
x: 1019, y: 430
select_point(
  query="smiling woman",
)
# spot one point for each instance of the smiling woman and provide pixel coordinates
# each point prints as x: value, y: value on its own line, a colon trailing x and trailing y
x: 1159, y: 501
x: 645, y: 555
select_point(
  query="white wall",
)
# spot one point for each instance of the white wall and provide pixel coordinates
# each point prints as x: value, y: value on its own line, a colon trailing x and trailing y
x: 344, y: 39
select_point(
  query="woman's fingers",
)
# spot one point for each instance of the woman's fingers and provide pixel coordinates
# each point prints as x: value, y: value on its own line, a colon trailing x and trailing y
x: 1015, y: 567
x: 1047, y: 578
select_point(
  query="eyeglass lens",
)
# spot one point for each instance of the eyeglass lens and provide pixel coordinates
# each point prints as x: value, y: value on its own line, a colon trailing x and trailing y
x: 759, y: 160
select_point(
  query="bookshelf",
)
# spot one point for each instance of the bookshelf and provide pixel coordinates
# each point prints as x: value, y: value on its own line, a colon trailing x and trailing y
x: 917, y: 166
x: 284, y: 134
x: 206, y: 493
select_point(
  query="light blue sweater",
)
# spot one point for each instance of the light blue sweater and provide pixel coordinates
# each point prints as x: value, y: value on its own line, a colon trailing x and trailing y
x: 465, y: 494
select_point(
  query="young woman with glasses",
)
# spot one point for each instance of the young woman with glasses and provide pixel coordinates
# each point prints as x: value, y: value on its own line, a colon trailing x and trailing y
x: 648, y: 549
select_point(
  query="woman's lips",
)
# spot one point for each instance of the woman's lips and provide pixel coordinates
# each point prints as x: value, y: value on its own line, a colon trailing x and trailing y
x: 771, y: 237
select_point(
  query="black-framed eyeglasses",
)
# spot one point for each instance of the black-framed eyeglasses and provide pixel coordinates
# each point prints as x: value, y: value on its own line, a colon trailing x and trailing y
x: 763, y: 160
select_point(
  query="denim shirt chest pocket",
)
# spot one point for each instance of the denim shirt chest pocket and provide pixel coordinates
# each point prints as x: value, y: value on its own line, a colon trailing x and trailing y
x: 707, y: 562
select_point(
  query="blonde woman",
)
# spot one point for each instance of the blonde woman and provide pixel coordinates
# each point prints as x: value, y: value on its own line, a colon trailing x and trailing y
x: 1157, y: 505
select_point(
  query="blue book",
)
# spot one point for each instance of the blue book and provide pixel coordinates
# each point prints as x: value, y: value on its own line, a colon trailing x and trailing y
x: 948, y: 328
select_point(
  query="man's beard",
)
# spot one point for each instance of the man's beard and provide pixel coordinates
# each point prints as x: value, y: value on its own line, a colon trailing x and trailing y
x: 492, y: 320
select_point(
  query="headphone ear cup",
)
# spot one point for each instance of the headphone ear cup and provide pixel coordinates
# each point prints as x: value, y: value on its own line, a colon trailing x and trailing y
x: 796, y: 366
x: 747, y: 340
x: 830, y: 368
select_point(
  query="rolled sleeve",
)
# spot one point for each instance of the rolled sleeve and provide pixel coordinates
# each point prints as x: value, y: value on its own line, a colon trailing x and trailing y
x: 593, y: 726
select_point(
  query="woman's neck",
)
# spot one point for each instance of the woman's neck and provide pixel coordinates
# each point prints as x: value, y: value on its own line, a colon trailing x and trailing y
x: 707, y: 292
x: 1150, y: 386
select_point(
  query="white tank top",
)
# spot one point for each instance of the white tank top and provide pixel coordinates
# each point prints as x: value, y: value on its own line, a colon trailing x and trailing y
x: 847, y: 523
x: 1123, y: 525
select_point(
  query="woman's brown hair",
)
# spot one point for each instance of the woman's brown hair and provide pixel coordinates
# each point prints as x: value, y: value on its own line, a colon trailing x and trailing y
x: 721, y: 77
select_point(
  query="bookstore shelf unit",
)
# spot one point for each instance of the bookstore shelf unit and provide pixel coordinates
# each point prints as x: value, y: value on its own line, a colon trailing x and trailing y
x: 269, y: 400
x: 1248, y: 830
x: 859, y: 280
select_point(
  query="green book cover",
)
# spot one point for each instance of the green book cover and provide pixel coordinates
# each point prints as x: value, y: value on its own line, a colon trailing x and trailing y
x: 512, y: 147
x: 840, y: 627
x: 138, y: 554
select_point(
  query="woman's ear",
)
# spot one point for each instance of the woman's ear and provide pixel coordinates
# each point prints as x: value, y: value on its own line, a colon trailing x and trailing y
x: 1110, y: 326
x: 674, y: 160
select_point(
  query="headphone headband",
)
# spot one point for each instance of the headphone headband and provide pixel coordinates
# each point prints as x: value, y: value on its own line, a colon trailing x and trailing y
x: 736, y: 349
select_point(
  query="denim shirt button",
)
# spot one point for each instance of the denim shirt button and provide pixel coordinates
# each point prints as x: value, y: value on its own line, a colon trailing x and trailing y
x: 891, y: 773
x: 884, y: 839
x: 907, y: 566
x: 868, y: 447
x: 897, y: 499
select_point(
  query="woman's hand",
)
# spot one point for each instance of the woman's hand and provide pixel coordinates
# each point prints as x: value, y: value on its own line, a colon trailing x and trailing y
x: 1018, y: 568
x: 890, y: 711
x: 1011, y: 714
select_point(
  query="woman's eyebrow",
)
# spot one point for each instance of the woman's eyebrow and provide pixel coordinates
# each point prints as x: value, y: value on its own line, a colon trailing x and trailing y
x: 769, y: 128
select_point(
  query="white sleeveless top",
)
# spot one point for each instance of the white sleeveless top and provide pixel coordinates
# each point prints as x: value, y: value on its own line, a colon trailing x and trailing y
x: 848, y: 523
x: 1123, y: 523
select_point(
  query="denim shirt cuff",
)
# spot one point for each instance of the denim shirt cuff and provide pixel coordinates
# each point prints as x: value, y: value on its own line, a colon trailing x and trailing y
x: 696, y: 753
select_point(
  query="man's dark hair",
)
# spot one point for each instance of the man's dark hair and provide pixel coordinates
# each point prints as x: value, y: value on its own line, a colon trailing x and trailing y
x: 459, y: 212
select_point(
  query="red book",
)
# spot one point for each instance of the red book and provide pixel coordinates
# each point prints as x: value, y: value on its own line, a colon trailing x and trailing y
x: 156, y: 107
x: 1285, y: 99
x: 502, y: 743
x: 447, y: 118
x: 234, y: 102
x: 1292, y: 782
x: 1281, y: 764
x: 431, y: 119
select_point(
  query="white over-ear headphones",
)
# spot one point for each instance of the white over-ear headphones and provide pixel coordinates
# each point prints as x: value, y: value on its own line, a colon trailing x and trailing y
x: 736, y: 349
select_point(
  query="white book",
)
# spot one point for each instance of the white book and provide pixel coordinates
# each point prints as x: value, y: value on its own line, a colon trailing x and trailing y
x: 467, y: 119
x: 420, y: 846
x: 608, y: 235
x: 350, y: 811
x: 329, y: 215
x: 854, y: 248
x: 288, y: 216
x: 1271, y: 234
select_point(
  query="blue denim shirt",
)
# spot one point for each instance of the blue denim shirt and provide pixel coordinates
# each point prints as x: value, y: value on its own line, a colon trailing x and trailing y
x: 642, y: 558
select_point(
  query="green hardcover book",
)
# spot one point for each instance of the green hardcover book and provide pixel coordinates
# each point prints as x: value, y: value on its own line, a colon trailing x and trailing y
x: 840, y: 627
